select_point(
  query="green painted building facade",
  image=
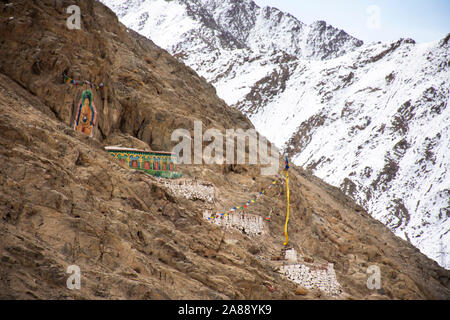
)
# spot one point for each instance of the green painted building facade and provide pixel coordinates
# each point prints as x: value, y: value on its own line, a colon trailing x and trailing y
x: 156, y: 163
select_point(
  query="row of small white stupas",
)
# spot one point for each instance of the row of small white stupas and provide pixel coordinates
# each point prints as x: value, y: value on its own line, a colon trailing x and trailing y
x: 323, y: 279
x: 310, y: 277
x: 190, y: 189
x: 248, y: 224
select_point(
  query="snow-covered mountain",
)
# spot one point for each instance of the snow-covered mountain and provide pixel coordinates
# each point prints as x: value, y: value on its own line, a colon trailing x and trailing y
x: 371, y: 119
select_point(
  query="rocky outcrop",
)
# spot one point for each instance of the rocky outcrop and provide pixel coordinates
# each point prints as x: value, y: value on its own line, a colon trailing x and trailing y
x: 139, y: 97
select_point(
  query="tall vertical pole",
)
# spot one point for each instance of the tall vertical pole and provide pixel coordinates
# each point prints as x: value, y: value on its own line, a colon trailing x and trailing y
x: 287, y: 194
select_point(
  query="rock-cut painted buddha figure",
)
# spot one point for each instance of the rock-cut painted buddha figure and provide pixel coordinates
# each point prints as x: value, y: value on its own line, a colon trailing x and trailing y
x: 86, y: 115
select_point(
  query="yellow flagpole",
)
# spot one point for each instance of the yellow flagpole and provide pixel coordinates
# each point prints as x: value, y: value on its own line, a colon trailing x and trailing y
x: 287, y: 216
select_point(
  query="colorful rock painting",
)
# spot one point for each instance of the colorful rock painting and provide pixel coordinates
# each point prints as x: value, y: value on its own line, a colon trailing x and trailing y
x: 86, y: 114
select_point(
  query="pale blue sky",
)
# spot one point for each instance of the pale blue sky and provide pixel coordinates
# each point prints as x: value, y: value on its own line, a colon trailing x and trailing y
x: 421, y: 20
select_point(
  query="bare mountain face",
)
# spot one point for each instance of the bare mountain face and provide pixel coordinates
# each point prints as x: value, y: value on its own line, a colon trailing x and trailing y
x: 65, y: 201
x: 370, y: 119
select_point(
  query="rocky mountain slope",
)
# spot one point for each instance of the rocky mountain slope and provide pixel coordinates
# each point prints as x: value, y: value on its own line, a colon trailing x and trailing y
x: 65, y: 201
x: 370, y: 119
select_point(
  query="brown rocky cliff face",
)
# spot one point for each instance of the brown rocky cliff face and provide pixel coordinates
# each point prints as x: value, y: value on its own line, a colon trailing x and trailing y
x: 64, y: 200
x: 147, y: 93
